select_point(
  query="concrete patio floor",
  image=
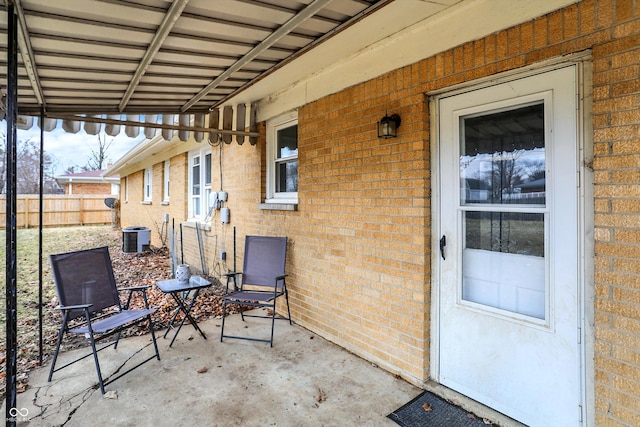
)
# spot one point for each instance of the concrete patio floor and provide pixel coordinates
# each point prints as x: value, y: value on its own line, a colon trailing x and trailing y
x: 303, y: 380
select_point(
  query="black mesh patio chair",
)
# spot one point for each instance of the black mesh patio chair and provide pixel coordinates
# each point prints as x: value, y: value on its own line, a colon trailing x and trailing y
x: 90, y: 305
x: 263, y: 281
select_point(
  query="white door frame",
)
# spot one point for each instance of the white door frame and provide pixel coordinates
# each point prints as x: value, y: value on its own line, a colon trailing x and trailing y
x: 586, y: 291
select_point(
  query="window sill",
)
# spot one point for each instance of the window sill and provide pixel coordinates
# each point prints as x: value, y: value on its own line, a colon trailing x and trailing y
x: 146, y: 202
x: 193, y: 223
x: 165, y: 203
x: 278, y: 206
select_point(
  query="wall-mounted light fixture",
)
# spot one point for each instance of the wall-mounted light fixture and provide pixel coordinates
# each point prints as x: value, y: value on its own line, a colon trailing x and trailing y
x: 388, y: 126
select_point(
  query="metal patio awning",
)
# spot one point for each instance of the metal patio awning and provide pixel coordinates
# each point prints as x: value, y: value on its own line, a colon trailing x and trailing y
x: 170, y: 61
x: 118, y: 59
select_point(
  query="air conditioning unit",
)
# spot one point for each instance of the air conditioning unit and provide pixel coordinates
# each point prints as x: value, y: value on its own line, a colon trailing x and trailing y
x: 135, y: 239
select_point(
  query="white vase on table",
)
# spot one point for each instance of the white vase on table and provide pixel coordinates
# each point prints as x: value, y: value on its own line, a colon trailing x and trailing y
x: 183, y: 273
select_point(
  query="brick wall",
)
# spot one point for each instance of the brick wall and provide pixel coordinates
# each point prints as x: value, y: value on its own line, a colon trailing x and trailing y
x: 135, y: 212
x: 87, y: 188
x: 364, y: 215
x: 616, y: 121
x: 359, y: 253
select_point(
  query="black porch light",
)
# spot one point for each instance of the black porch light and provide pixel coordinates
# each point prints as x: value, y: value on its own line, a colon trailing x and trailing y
x: 388, y: 126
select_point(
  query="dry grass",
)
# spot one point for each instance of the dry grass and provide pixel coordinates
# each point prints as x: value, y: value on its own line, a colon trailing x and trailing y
x: 55, y: 240
x: 129, y: 270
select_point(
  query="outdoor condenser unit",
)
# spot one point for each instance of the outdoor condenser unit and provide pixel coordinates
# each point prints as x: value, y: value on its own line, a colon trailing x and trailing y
x: 135, y: 239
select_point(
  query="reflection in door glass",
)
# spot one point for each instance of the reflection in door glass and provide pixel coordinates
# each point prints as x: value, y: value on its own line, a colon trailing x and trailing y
x: 506, y: 232
x: 502, y: 157
x: 502, y: 164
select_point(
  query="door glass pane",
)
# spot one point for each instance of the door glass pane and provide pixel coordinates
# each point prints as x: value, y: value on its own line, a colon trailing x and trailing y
x: 502, y: 157
x: 502, y: 164
x: 505, y: 232
x: 503, y: 263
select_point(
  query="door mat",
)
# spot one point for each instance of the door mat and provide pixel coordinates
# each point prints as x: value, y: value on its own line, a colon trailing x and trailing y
x: 429, y: 410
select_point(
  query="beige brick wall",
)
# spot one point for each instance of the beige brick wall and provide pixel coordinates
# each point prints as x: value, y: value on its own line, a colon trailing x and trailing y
x: 359, y: 253
x: 87, y: 188
x: 135, y: 212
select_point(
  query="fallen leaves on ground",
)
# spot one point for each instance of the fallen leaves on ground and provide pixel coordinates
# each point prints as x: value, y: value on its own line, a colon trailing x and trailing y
x: 143, y: 269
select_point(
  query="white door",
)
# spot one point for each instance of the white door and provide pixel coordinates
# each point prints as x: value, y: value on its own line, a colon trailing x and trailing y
x: 508, y: 313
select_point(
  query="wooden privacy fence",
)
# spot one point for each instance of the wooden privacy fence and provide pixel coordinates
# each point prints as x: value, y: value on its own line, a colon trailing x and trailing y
x: 58, y: 210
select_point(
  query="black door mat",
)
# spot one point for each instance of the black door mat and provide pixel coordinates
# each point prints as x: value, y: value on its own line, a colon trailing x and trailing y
x: 429, y: 410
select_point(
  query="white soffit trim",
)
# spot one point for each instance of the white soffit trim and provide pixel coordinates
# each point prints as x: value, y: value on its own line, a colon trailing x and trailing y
x: 452, y: 26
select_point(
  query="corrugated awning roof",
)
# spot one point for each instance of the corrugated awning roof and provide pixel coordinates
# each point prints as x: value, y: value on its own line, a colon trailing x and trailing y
x: 160, y: 56
x: 163, y: 64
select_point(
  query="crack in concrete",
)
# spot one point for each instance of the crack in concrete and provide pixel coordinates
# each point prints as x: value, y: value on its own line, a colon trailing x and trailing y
x: 73, y: 402
x: 87, y: 394
x: 125, y: 362
x: 55, y: 407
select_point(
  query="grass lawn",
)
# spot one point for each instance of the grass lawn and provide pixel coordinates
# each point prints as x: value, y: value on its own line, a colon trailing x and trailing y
x: 54, y: 240
x: 143, y: 269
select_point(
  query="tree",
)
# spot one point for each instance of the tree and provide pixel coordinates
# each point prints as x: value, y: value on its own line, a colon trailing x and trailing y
x: 505, y: 173
x: 98, y: 158
x: 28, y: 167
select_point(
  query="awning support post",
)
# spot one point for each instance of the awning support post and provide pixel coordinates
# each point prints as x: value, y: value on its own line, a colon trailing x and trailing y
x: 11, y: 223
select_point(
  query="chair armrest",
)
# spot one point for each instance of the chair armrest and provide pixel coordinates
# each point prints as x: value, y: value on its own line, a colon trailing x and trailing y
x: 73, y: 307
x: 135, y: 288
x: 234, y: 275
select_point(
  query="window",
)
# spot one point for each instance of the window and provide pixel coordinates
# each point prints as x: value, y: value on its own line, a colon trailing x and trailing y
x: 165, y: 179
x: 282, y: 165
x: 126, y: 189
x: 148, y: 180
x: 199, y: 183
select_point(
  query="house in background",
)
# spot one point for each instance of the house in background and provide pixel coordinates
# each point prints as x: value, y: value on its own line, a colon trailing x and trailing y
x: 89, y: 182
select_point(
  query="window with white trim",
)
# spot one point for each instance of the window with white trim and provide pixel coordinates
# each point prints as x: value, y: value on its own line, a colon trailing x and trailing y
x: 282, y: 159
x: 126, y: 189
x: 199, y: 183
x: 148, y: 184
x: 165, y: 179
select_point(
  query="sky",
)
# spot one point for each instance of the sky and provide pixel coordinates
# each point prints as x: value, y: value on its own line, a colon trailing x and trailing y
x: 70, y: 149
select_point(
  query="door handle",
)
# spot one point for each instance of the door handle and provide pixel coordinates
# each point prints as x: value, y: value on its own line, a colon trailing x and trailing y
x: 443, y: 243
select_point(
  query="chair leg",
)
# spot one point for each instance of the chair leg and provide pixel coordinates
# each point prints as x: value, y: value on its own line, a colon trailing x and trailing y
x: 286, y: 297
x: 153, y: 337
x: 95, y: 352
x: 273, y: 323
x: 95, y: 359
x: 115, y: 346
x: 55, y: 354
x: 224, y: 314
x: 153, y: 334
